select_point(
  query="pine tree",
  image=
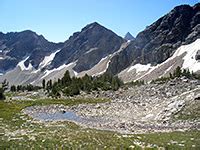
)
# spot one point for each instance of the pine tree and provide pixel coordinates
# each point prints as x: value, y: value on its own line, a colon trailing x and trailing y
x: 72, y: 86
x: 170, y: 75
x: 18, y: 88
x: 87, y: 83
x: 56, y: 90
x: 43, y: 84
x: 13, y: 88
x: 49, y: 85
x: 115, y: 84
x: 59, y: 81
x: 178, y: 72
x: 66, y: 80
x: 188, y: 74
x: 184, y: 72
x: 5, y: 85
x: 2, y: 90
x: 2, y: 96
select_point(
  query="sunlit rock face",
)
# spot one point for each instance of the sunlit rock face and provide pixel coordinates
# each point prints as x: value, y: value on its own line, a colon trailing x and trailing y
x: 159, y: 41
x: 16, y: 46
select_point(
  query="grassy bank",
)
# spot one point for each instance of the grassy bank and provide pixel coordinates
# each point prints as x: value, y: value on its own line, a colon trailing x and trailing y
x: 18, y: 131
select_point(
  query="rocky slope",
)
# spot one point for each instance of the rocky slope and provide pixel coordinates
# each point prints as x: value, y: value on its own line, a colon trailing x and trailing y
x: 16, y: 46
x: 185, y: 56
x: 88, y: 47
x: 128, y: 37
x: 87, y: 51
x: 169, y: 42
x: 139, y: 109
x: 158, y: 41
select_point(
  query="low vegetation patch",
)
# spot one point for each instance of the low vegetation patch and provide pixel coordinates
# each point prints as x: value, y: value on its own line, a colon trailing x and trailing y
x: 174, y: 140
x: 189, y: 112
x: 178, y: 73
x: 19, y: 132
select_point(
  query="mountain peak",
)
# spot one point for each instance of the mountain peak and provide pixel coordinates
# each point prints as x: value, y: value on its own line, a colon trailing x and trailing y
x: 95, y: 23
x: 88, y: 47
x: 185, y: 8
x: 129, y: 36
x: 182, y: 6
x: 28, y: 31
x: 92, y: 26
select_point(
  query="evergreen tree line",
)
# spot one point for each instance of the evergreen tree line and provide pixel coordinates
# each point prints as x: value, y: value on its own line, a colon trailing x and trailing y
x: 71, y: 86
x: 3, y: 87
x: 22, y: 88
x: 178, y: 72
x: 183, y: 73
x: 137, y: 83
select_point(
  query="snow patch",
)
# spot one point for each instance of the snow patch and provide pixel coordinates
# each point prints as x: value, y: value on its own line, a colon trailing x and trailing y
x: 75, y: 73
x: 48, y: 59
x: 102, y: 59
x: 107, y: 65
x: 47, y: 72
x: 168, y: 69
x: 150, y: 70
x: 92, y: 49
x: 23, y: 67
x: 190, y: 52
x: 140, y: 68
x: 190, y: 62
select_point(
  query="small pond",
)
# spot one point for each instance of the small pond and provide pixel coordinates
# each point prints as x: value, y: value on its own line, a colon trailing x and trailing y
x: 58, y: 116
x: 56, y: 113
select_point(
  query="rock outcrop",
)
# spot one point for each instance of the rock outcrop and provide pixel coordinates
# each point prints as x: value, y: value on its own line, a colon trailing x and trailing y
x: 129, y: 37
x: 88, y: 47
x: 159, y: 41
x: 16, y: 46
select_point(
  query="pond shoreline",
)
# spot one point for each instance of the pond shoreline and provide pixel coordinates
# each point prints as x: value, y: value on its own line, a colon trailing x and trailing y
x: 61, y: 113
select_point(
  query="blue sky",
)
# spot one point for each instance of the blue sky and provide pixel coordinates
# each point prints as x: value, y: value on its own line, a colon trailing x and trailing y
x: 58, y: 19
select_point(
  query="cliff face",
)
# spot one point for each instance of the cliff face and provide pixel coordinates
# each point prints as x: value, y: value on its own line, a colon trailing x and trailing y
x: 88, y: 47
x: 96, y: 50
x: 159, y: 41
x: 15, y: 46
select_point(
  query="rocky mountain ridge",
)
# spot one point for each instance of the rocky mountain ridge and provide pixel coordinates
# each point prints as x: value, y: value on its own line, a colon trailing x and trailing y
x: 15, y: 46
x: 128, y: 37
x: 159, y: 41
x: 26, y: 57
x: 88, y: 47
x: 87, y: 51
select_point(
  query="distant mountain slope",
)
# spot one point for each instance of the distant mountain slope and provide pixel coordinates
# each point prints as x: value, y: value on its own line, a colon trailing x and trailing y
x: 84, y: 51
x: 15, y: 46
x: 172, y: 40
x: 128, y: 37
x: 159, y: 41
x: 184, y: 56
x: 88, y: 47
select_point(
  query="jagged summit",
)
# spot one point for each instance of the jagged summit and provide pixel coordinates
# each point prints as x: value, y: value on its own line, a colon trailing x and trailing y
x: 129, y: 36
x: 15, y: 46
x: 93, y: 24
x: 81, y: 52
x: 158, y: 41
x: 96, y: 49
x: 88, y: 47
